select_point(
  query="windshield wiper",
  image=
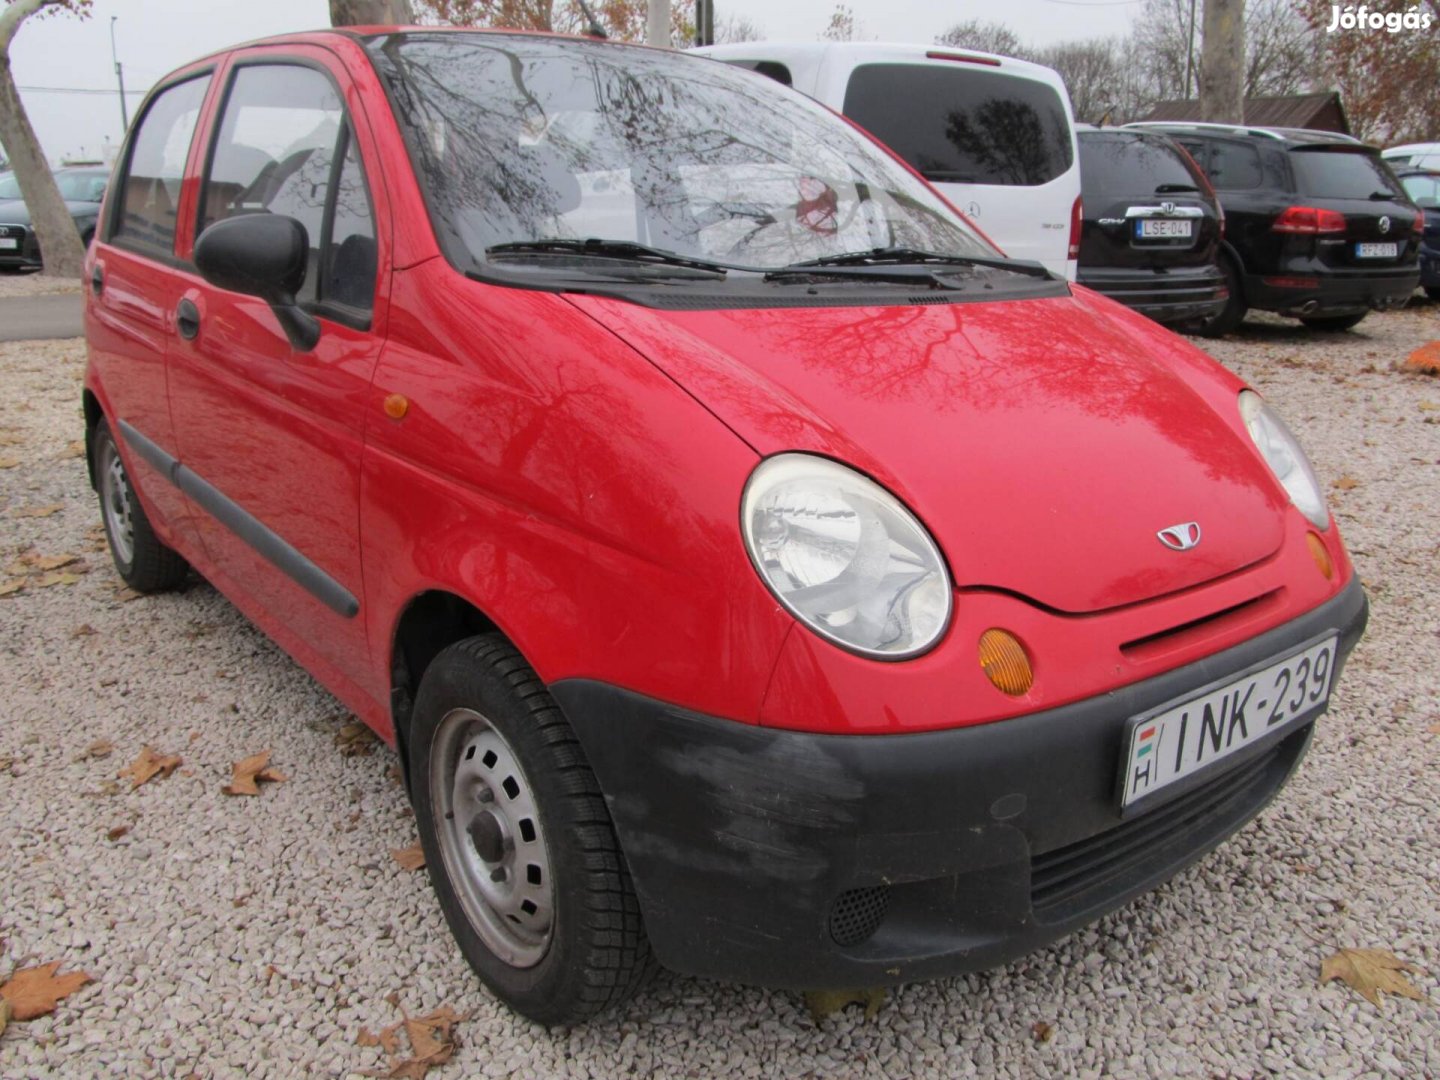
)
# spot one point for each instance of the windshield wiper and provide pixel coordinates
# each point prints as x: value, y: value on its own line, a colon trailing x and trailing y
x: 1382, y: 196
x: 612, y: 249
x: 1165, y: 189
x: 904, y: 256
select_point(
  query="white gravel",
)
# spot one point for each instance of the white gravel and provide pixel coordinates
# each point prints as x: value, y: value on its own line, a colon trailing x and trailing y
x: 258, y: 936
x: 30, y: 283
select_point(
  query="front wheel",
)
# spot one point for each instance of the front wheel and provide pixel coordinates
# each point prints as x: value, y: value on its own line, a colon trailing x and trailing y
x: 1333, y: 324
x: 142, y: 560
x: 518, y: 842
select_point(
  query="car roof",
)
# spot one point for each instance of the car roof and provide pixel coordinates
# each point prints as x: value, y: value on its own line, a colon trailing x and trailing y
x: 1294, y: 136
x: 858, y: 52
x: 1425, y: 148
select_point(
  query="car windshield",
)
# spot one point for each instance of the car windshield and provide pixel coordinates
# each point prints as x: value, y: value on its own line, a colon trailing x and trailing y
x: 74, y: 187
x: 518, y: 139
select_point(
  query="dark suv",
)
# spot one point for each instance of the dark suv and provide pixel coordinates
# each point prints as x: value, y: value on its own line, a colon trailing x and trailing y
x: 1152, y: 226
x: 1316, y: 224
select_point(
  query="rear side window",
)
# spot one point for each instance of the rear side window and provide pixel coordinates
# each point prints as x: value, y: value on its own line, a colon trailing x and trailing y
x: 771, y: 68
x: 1122, y: 164
x: 149, y: 191
x: 959, y: 125
x: 284, y: 146
x: 1234, y: 166
x: 1423, y: 190
x: 1342, y: 174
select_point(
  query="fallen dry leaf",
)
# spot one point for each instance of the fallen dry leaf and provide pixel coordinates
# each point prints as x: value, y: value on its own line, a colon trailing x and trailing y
x: 148, y: 765
x: 83, y: 630
x: 409, y: 858
x: 1345, y: 483
x: 432, y: 1042
x: 355, y: 739
x: 100, y: 748
x: 117, y: 832
x: 45, y: 581
x: 823, y: 1003
x: 1425, y: 360
x: 51, y: 562
x: 247, y: 774
x: 33, y: 992
x: 1370, y: 972
x: 9, y: 462
x: 11, y: 587
x: 1042, y: 1031
x: 4, y: 1015
x: 38, y: 511
x: 73, y: 450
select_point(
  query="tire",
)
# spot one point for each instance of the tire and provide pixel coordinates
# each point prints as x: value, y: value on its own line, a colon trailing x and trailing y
x: 1333, y: 324
x: 143, y: 562
x: 562, y: 939
x: 1433, y: 291
x: 1233, y: 313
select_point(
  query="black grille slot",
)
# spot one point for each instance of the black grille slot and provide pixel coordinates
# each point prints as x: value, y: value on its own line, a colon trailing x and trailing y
x: 1067, y: 880
x: 857, y: 913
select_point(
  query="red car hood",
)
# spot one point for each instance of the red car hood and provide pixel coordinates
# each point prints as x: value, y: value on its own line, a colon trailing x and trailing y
x: 1043, y: 442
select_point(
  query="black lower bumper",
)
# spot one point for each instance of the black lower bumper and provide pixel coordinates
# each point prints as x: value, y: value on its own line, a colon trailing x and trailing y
x: 808, y: 861
x: 1306, y: 293
x: 1182, y: 294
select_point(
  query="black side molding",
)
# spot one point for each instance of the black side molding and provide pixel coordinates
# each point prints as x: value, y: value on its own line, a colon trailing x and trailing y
x: 284, y: 557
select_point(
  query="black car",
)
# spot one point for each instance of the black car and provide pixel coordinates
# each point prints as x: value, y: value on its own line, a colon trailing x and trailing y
x: 1152, y: 227
x: 1316, y: 225
x: 1423, y: 186
x: 81, y: 187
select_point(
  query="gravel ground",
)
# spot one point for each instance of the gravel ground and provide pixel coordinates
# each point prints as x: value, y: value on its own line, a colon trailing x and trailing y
x: 30, y: 283
x: 258, y: 936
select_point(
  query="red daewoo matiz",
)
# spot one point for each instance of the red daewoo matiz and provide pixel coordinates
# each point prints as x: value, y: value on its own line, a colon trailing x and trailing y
x: 753, y: 567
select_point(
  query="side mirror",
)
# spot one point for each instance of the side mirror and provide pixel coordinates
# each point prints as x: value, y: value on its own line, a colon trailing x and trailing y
x: 261, y: 255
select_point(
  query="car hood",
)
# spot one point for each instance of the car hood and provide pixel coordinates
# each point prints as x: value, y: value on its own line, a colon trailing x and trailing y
x: 1044, y: 442
x: 15, y: 212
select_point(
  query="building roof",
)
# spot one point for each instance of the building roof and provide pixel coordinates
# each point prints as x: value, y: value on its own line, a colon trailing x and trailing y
x: 1322, y: 111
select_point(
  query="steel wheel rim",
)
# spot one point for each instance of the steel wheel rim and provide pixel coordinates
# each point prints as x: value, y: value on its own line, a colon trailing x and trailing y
x: 115, y: 499
x: 491, y: 839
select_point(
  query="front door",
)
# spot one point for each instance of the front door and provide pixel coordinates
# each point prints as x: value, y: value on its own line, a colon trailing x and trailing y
x: 273, y: 434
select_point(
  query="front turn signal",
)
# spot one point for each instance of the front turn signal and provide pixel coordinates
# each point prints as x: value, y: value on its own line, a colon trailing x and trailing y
x: 1005, y: 662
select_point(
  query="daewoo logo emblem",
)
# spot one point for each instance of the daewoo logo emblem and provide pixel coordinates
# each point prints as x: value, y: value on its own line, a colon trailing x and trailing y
x: 1384, y: 225
x: 1180, y: 537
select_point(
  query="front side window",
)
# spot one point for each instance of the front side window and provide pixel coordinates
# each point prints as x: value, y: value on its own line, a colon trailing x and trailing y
x: 963, y: 125
x: 149, y: 194
x: 284, y: 146
x: 518, y: 139
x: 1234, y: 166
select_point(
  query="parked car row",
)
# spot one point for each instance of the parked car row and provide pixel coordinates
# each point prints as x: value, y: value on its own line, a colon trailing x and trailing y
x: 82, y: 188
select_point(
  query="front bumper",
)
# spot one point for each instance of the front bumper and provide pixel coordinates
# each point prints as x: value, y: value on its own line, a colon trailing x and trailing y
x: 1168, y: 295
x: 806, y: 861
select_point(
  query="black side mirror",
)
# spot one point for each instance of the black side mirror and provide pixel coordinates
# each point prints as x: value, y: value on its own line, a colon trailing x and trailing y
x: 261, y: 255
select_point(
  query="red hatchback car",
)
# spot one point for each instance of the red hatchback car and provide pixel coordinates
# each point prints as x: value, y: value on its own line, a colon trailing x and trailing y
x: 753, y: 567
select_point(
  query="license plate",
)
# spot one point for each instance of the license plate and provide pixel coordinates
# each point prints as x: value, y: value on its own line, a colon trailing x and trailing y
x: 8, y: 243
x: 1376, y: 251
x: 1181, y: 740
x: 1163, y: 229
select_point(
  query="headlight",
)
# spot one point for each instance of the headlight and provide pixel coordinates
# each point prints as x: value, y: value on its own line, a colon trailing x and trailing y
x: 1282, y: 453
x: 845, y: 556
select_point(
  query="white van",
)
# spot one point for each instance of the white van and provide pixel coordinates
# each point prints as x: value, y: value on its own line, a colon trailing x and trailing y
x: 995, y: 135
x: 1424, y: 155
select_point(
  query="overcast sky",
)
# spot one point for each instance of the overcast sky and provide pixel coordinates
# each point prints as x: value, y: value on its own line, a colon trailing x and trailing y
x: 153, y: 37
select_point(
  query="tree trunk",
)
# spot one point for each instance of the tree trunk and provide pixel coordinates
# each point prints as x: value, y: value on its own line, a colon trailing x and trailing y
x: 657, y: 25
x: 1222, y: 62
x: 371, y: 13
x: 55, y: 231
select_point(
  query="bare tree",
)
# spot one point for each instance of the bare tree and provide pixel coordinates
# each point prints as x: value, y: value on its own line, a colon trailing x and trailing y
x: 736, y: 28
x: 623, y: 20
x: 371, y: 13
x: 842, y: 25
x: 982, y: 36
x: 60, y: 247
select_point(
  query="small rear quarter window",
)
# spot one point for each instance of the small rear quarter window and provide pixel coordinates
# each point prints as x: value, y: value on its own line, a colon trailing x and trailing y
x: 963, y: 125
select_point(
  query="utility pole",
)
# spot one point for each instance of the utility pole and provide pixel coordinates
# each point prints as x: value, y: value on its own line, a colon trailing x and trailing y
x: 1222, y: 62
x: 1189, y: 51
x: 120, y: 80
x: 657, y: 24
x: 704, y: 22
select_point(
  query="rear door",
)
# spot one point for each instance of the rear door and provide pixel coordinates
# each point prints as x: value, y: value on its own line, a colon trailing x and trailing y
x: 1379, y: 216
x: 1144, y: 204
x: 1000, y: 146
x: 135, y: 282
x: 275, y: 434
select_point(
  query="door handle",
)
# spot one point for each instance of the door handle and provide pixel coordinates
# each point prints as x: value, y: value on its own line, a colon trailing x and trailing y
x: 97, y: 280
x: 187, y: 319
